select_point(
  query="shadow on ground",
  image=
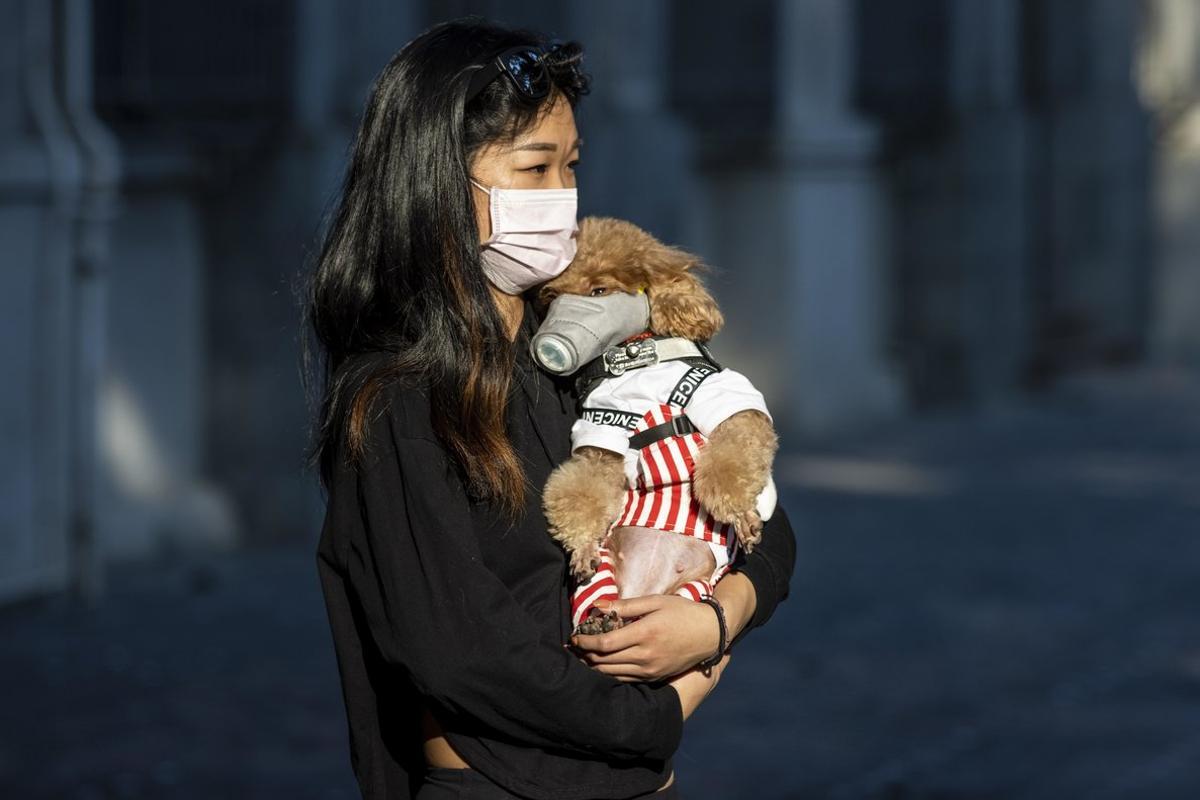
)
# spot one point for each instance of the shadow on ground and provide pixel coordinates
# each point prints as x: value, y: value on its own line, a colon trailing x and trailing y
x: 1004, y: 605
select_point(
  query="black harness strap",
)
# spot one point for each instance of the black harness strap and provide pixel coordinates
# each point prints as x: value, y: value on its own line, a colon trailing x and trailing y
x: 691, y: 380
x: 681, y: 395
x: 589, y: 377
x: 676, y: 426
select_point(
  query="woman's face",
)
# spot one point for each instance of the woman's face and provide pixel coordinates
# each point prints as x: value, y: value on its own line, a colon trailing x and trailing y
x: 543, y: 157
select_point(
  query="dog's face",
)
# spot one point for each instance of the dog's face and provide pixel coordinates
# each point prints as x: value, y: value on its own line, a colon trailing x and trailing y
x: 618, y: 256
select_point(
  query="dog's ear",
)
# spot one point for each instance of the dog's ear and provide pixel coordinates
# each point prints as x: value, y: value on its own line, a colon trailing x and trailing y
x: 679, y: 303
x: 683, y: 307
x: 665, y: 262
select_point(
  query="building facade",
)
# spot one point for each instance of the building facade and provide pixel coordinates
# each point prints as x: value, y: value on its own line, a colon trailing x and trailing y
x: 907, y: 205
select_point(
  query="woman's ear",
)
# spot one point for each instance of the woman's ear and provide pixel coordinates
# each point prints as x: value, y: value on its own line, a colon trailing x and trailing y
x: 683, y: 307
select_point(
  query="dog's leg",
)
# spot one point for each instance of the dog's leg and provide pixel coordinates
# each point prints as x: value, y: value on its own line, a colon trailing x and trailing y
x: 731, y: 470
x: 582, y: 498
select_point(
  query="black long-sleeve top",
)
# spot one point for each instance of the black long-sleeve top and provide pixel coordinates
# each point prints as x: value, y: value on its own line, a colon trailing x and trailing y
x: 436, y: 599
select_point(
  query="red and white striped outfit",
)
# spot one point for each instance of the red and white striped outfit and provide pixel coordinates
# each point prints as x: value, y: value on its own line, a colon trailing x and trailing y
x: 603, y: 586
x: 659, y: 494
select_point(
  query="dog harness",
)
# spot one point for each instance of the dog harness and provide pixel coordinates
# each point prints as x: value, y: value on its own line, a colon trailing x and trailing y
x: 640, y: 414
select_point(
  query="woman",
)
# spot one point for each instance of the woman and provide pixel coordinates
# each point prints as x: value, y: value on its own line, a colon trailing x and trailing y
x: 447, y: 598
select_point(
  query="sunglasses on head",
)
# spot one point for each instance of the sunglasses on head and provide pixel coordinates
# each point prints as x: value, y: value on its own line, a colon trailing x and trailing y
x: 524, y: 67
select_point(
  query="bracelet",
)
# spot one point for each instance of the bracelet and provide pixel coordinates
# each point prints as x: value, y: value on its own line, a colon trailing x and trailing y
x: 707, y: 664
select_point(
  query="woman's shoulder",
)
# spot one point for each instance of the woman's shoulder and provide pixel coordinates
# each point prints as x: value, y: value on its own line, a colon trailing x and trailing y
x: 394, y: 400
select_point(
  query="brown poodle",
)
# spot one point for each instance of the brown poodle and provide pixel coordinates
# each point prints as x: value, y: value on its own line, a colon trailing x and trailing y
x: 584, y: 496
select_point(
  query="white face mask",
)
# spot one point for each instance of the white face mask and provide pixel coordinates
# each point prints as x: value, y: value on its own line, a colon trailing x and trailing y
x: 533, y: 236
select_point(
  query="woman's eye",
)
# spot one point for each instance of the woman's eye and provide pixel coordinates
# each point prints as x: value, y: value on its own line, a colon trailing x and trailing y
x: 540, y: 169
x: 573, y: 164
x: 599, y: 290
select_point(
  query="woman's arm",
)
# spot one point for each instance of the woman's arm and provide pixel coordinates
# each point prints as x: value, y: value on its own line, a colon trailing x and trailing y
x: 674, y: 633
x: 768, y: 570
x: 438, y: 613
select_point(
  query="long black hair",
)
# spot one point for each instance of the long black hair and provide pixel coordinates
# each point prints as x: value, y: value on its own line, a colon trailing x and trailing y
x: 399, y: 271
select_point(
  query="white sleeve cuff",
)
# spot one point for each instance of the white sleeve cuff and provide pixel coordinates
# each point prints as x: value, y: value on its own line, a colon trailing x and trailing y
x: 766, y: 500
x: 606, y: 437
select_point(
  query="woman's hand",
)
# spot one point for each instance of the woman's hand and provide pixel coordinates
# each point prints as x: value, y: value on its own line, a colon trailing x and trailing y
x: 672, y: 635
x: 693, y: 686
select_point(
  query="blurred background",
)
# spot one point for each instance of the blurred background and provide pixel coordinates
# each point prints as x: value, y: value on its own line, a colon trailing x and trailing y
x: 956, y: 242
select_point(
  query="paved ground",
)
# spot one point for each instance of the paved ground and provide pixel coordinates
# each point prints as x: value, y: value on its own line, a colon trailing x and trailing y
x: 997, y: 606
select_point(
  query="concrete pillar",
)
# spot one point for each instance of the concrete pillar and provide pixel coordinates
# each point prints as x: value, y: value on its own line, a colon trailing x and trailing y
x: 636, y: 160
x: 40, y: 178
x: 1169, y: 82
x: 153, y: 430
x: 262, y: 230
x: 91, y: 231
x: 1097, y: 189
x: 991, y: 215
x: 153, y: 427
x: 797, y: 224
x: 58, y: 174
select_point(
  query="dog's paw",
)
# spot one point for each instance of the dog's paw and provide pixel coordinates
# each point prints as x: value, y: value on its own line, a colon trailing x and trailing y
x: 723, y: 506
x: 748, y: 526
x: 585, y: 561
x: 599, y: 622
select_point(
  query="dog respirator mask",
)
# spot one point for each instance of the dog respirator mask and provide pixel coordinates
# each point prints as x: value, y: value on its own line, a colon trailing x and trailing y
x: 578, y: 329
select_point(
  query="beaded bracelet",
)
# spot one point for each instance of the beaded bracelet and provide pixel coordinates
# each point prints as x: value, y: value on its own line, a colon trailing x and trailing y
x: 707, y: 664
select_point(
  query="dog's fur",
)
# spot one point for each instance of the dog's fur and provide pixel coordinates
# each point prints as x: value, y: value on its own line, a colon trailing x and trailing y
x: 585, y: 494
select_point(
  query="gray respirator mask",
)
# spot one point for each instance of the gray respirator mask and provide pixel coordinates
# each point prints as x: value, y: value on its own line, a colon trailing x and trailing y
x: 578, y: 329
